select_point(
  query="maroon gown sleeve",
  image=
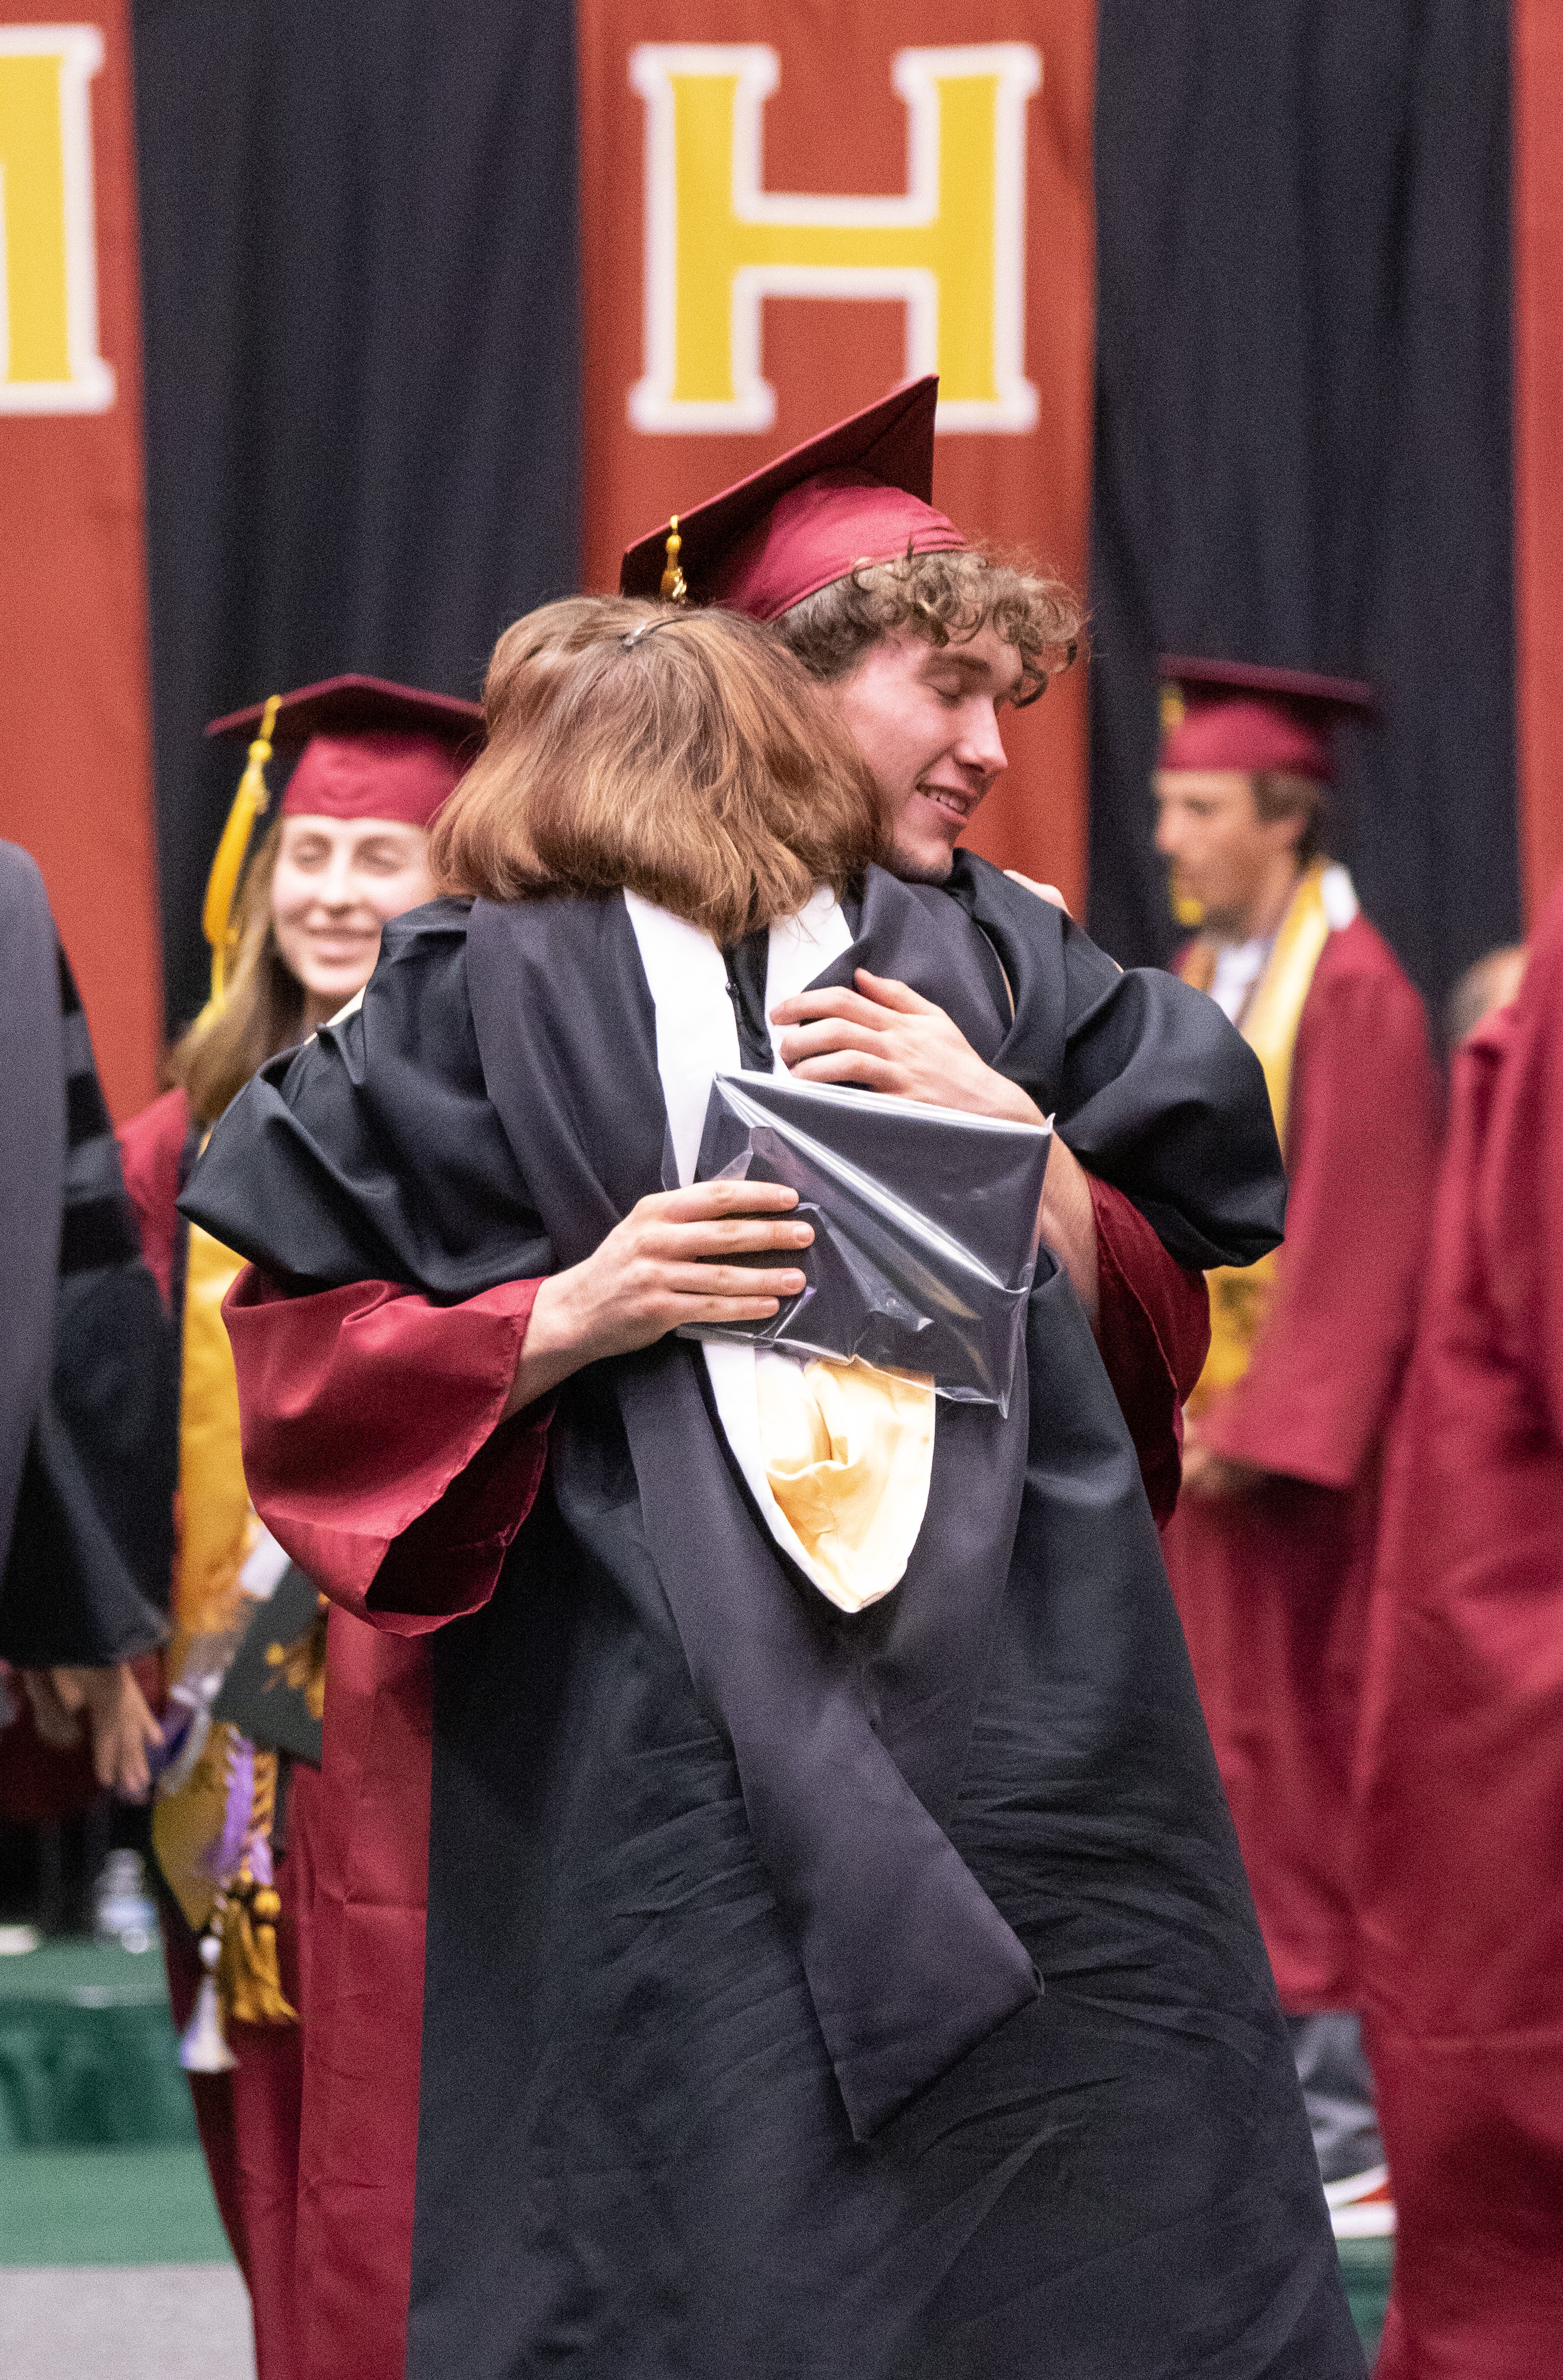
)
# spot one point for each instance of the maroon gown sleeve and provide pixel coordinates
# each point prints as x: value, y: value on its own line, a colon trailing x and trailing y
x: 372, y: 1442
x: 1154, y: 1329
x: 1362, y: 1144
x: 150, y: 1147
x: 1520, y: 1214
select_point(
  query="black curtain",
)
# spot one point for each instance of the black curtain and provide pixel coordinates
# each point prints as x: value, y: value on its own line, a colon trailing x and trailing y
x: 362, y: 380
x: 1302, y: 426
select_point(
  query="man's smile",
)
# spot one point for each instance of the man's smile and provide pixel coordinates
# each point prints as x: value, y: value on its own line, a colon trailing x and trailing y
x: 955, y: 804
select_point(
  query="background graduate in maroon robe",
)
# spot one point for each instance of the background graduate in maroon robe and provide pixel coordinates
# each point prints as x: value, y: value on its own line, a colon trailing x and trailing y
x: 1270, y: 1549
x: 346, y: 850
x: 1461, y: 1817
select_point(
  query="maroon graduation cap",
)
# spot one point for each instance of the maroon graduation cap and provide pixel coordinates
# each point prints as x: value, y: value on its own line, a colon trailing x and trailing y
x: 859, y: 493
x: 1241, y: 715
x: 372, y: 748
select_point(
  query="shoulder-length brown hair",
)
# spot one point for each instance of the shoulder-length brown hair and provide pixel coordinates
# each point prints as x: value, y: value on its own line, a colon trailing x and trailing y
x: 263, y: 1012
x: 684, y: 755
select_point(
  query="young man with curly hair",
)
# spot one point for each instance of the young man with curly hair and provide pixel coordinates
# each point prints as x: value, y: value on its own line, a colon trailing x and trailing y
x: 925, y: 641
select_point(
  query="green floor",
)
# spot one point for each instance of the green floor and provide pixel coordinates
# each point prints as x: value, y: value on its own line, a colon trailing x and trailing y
x: 99, y: 2163
x: 1365, y: 2266
x: 108, y: 2206
x: 98, y: 2158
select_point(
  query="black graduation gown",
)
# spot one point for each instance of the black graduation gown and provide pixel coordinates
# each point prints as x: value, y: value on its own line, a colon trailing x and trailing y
x: 89, y: 1390
x: 811, y: 1996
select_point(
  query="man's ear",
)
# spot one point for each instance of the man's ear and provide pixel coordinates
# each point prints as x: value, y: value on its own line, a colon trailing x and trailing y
x: 1288, y: 804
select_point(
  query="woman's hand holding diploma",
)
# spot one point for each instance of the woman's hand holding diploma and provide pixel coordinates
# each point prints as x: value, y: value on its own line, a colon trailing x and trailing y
x: 658, y: 1268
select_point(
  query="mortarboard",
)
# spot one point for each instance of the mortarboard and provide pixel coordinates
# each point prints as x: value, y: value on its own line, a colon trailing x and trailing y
x: 1235, y: 715
x: 370, y: 749
x: 272, y: 1691
x: 861, y: 492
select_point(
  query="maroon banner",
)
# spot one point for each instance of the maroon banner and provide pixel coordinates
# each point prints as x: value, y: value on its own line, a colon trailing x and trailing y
x: 787, y: 210
x: 75, y: 747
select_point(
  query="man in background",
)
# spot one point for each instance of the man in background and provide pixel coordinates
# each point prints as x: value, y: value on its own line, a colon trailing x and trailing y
x: 1270, y: 1550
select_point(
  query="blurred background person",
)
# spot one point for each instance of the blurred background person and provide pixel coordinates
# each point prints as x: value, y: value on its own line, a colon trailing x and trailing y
x: 1269, y: 1551
x: 234, y: 1824
x: 1460, y: 1848
x: 86, y: 1396
x: 1489, y: 984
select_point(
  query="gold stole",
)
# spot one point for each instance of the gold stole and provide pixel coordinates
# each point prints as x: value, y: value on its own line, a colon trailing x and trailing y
x: 217, y: 1531
x: 1239, y: 1297
x: 223, y: 1900
x: 848, y: 1455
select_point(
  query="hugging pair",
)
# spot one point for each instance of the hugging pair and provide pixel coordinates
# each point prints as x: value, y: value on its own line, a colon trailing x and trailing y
x: 803, y: 1991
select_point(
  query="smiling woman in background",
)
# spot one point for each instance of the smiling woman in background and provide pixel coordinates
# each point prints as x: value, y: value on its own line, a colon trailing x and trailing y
x: 235, y: 1822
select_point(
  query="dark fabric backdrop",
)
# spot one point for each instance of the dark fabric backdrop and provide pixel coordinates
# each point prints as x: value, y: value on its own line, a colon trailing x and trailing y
x: 359, y: 283
x: 1302, y: 426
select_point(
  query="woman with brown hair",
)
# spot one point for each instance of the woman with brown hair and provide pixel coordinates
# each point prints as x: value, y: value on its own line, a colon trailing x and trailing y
x: 724, y: 2048
x: 348, y: 850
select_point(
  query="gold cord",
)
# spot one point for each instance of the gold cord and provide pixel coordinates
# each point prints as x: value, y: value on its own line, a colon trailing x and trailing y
x: 222, y: 885
x: 673, y: 588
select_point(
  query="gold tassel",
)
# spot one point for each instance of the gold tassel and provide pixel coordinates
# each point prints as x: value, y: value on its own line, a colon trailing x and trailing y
x: 222, y: 885
x: 673, y: 588
x: 248, y: 1981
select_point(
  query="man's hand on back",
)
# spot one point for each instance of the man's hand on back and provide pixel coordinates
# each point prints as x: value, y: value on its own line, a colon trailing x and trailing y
x: 885, y: 1037
x: 1044, y: 891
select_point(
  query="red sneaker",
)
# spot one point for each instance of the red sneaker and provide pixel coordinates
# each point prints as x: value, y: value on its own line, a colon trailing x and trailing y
x: 1362, y: 2207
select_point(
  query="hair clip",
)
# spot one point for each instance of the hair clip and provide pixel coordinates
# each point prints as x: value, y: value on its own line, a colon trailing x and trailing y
x: 647, y: 628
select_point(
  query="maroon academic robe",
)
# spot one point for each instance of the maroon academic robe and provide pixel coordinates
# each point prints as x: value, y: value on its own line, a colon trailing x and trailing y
x: 1461, y: 1813
x: 248, y: 2118
x: 372, y: 1454
x: 1272, y: 1586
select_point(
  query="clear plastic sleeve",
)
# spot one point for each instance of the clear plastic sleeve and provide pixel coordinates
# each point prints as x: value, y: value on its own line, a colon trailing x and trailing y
x: 926, y: 1226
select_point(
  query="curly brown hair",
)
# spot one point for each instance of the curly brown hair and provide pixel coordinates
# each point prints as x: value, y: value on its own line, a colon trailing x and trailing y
x: 681, y: 755
x: 946, y: 597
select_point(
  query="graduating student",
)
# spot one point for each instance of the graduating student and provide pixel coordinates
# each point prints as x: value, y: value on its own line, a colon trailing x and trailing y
x: 925, y: 639
x: 1460, y: 1872
x: 235, y: 1824
x: 1271, y: 1548
x: 808, y: 1988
